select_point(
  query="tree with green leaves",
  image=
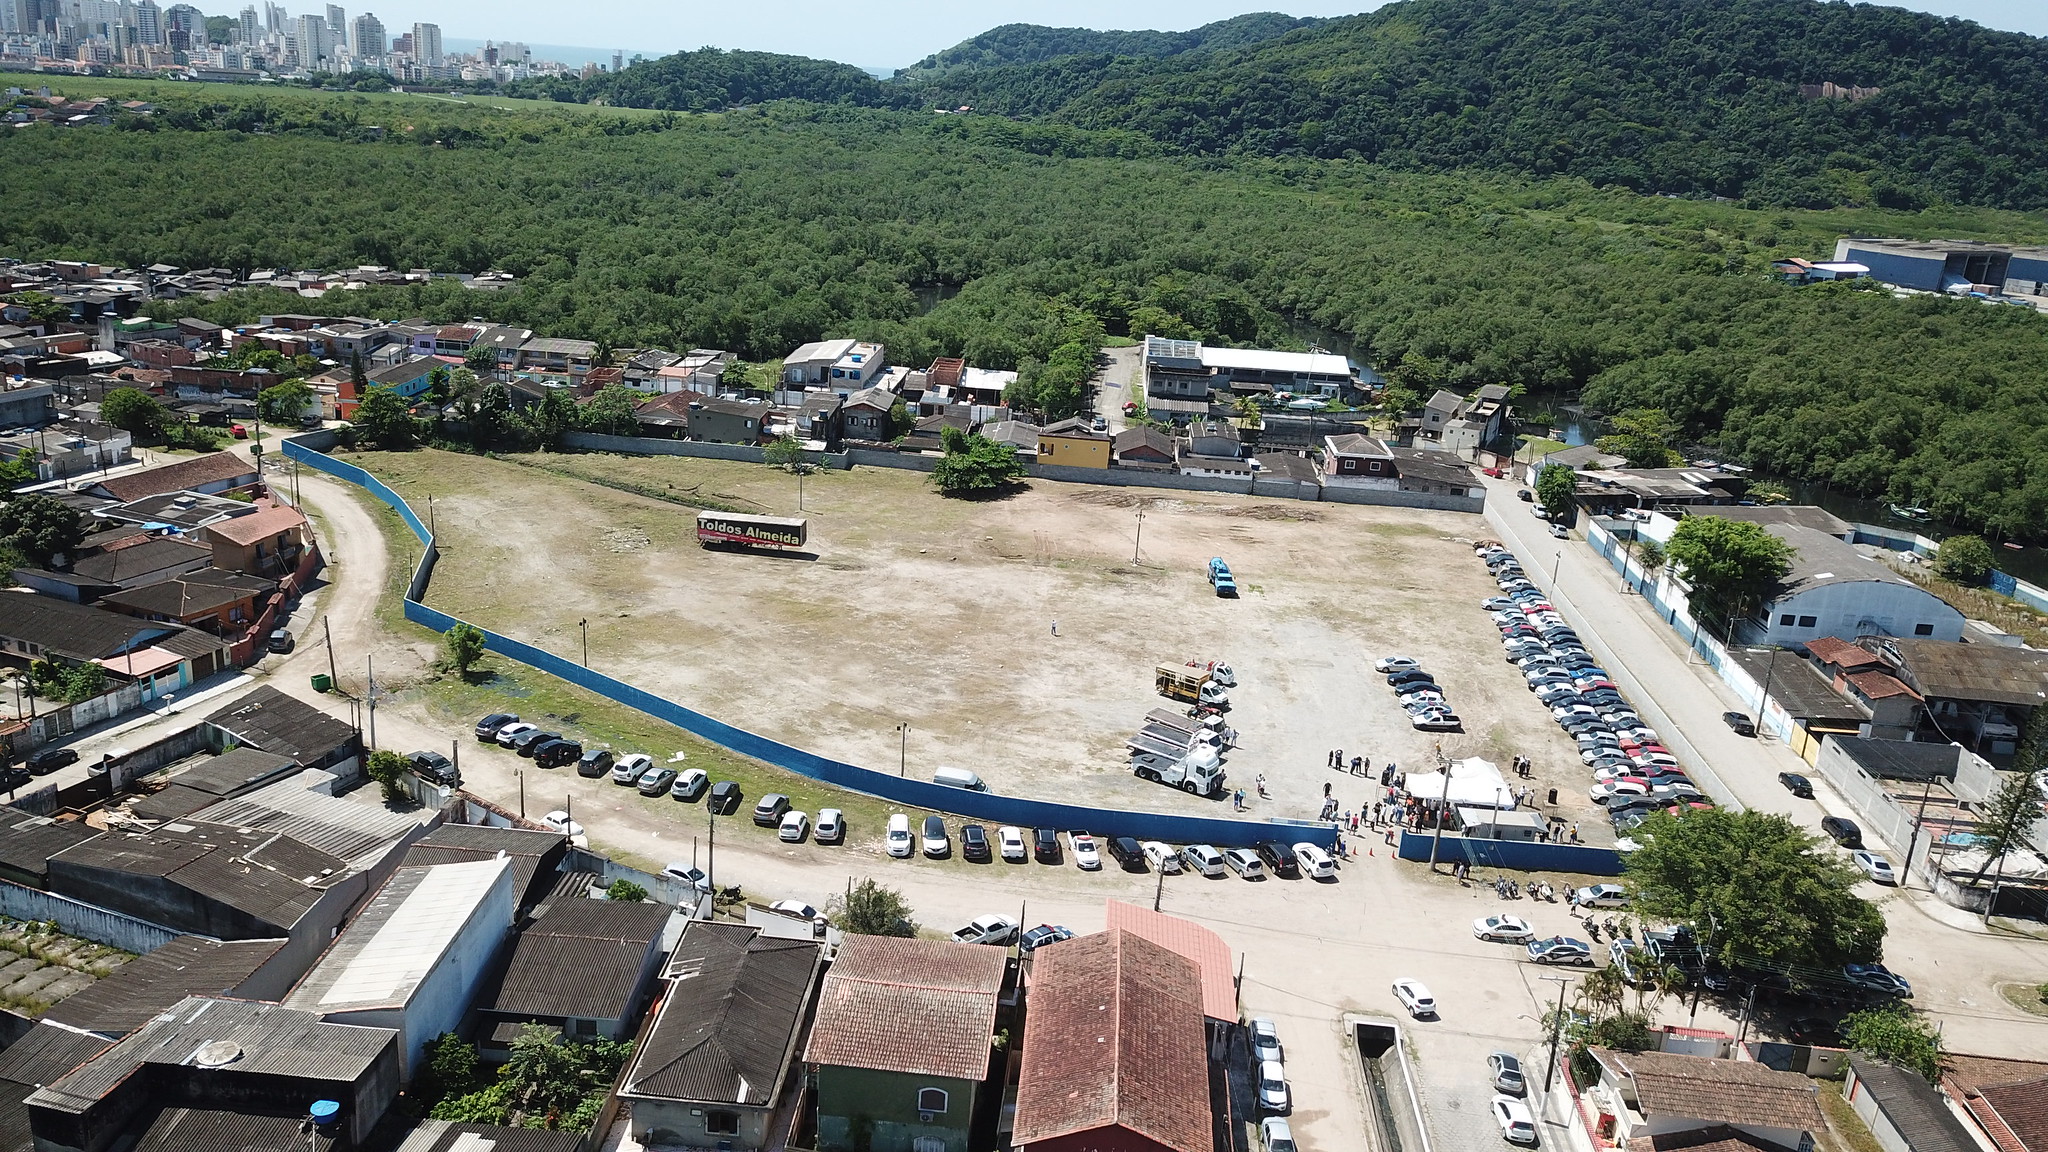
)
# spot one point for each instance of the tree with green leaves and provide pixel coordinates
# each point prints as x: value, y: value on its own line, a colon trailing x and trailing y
x: 975, y: 465
x: 463, y: 646
x: 1556, y: 489
x: 1756, y: 883
x: 611, y: 412
x: 2009, y: 814
x: 1896, y: 1035
x: 625, y: 891
x: 133, y: 411
x: 868, y: 909
x: 785, y: 452
x: 552, y: 418
x: 386, y: 419
x: 492, y: 419
x: 453, y: 1069
x: 481, y: 359
x: 1963, y: 559
x: 1650, y: 555
x: 1731, y: 565
x: 1641, y: 436
x: 40, y: 527
x: 389, y: 769
x: 285, y: 402
x: 901, y: 422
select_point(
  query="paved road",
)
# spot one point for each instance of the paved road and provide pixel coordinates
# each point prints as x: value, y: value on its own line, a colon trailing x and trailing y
x: 1116, y: 385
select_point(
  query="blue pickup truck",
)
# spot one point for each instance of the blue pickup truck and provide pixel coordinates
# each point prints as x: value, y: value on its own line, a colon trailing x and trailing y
x: 1220, y: 578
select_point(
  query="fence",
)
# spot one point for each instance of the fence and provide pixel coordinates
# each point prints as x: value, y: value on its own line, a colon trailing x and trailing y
x: 83, y: 920
x: 703, y: 449
x: 888, y: 786
x: 1521, y: 855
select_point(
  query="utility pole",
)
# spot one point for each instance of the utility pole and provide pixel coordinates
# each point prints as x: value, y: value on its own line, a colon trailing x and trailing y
x: 1159, y: 890
x: 711, y: 850
x: 1763, y: 707
x: 1139, y: 538
x: 332, y: 675
x: 1444, y: 799
x: 585, y: 625
x: 521, y: 773
x: 1556, y: 1027
x: 1919, y: 822
x: 371, y: 697
x: 430, y: 514
x: 902, y: 747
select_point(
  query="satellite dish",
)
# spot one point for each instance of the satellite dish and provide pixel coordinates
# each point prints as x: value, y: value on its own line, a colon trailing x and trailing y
x: 217, y: 1054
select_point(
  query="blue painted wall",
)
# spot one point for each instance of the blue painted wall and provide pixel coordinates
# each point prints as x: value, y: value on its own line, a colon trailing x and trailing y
x: 1521, y: 855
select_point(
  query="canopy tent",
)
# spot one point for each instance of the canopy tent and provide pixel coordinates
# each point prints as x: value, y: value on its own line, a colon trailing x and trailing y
x: 1471, y: 783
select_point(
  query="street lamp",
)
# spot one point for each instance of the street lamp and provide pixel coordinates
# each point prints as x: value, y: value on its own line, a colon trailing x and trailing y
x: 585, y: 625
x: 1135, y: 541
x: 902, y: 747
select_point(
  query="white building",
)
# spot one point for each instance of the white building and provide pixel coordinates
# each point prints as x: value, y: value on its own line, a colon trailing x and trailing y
x: 844, y: 366
x: 426, y: 44
x: 1835, y: 590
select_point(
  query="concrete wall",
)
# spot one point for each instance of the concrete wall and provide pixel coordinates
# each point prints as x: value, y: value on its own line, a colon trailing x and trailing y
x: 1521, y: 855
x: 85, y: 921
x: 680, y: 1123
x: 1877, y: 813
x: 652, y: 446
x: 1398, y: 499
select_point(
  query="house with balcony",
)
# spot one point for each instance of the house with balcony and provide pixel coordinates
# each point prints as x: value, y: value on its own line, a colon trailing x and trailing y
x: 1664, y: 1100
x: 270, y: 543
x: 553, y: 357
x: 840, y: 365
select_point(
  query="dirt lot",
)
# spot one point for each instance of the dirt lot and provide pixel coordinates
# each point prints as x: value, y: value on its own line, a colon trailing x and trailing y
x: 940, y: 613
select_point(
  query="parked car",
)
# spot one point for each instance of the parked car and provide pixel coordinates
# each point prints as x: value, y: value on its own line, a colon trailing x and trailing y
x: 898, y: 839
x: 1415, y: 997
x: 1395, y: 663
x: 990, y: 929
x: 1315, y: 863
x: 974, y: 844
x: 433, y: 766
x: 1273, y: 1094
x: 1796, y: 784
x: 689, y: 785
x: 769, y: 809
x: 12, y: 778
x: 1842, y: 830
x: 1275, y: 1136
x: 1162, y: 857
x: 556, y: 753
x: 281, y: 641
x: 1601, y: 896
x: 1560, y: 950
x: 831, y: 828
x: 932, y: 838
x: 795, y: 909
x: 1045, y: 845
x: 657, y: 781
x: 1877, y: 978
x: 1505, y: 1072
x: 1042, y: 935
x: 507, y: 733
x: 1437, y: 722
x: 1127, y: 853
x: 559, y: 821
x: 794, y: 827
x: 1558, y: 531
x: 1010, y: 843
x: 1085, y: 855
x: 1503, y: 929
x: 1874, y: 866
x: 1525, y: 496
x: 598, y: 761
x: 725, y: 798
x: 627, y: 772
x: 526, y: 742
x: 487, y: 728
x: 1265, y: 1040
x: 1245, y: 863
x: 49, y: 760
x: 1512, y: 1116
x: 683, y: 873
x: 1203, y: 860
x: 1740, y: 722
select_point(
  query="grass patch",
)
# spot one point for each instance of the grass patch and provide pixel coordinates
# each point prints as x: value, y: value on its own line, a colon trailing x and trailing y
x: 1847, y: 1131
x: 1980, y: 603
x: 1539, y: 446
x: 2024, y: 996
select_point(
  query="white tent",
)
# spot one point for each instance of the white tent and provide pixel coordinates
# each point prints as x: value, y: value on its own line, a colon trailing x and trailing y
x: 1472, y: 783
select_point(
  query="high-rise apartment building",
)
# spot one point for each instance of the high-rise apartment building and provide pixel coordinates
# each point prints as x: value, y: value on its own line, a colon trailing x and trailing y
x: 149, y: 22
x: 184, y: 28
x: 250, y: 24
x: 275, y: 21
x: 337, y: 23
x: 315, y: 41
x: 426, y: 44
x: 368, y: 40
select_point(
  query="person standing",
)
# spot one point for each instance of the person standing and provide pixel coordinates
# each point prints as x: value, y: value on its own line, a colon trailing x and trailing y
x: 1055, y: 627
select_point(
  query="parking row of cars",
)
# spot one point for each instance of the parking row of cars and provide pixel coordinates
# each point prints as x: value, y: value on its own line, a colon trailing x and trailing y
x: 933, y: 840
x: 1634, y: 774
x: 1418, y: 694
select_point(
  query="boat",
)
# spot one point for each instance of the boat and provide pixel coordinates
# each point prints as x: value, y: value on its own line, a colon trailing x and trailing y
x: 1911, y: 512
x: 2013, y: 546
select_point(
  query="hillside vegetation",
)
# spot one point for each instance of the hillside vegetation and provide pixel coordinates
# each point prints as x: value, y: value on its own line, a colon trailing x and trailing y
x: 1018, y: 246
x: 1030, y: 43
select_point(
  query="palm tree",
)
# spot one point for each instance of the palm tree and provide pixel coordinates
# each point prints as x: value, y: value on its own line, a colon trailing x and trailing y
x: 1602, y: 989
x: 1247, y: 412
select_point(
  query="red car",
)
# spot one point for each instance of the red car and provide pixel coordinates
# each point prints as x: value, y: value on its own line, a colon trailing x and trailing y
x: 1495, y: 473
x: 239, y: 432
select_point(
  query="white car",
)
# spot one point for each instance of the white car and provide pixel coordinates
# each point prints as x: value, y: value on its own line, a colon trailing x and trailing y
x: 1601, y: 896
x: 1202, y: 860
x: 1503, y: 929
x: 1265, y: 1040
x: 901, y: 843
x: 1516, y: 1125
x: 559, y: 821
x: 1603, y: 793
x: 831, y: 827
x: 690, y: 784
x: 1415, y: 997
x: 794, y: 827
x: 1245, y: 863
x: 1275, y: 1135
x: 990, y: 929
x: 1082, y: 845
x: 511, y: 732
x: 629, y: 770
x: 1876, y: 867
x: 1315, y: 863
x: 1273, y: 1094
x: 796, y: 908
x: 1162, y: 857
x: 1387, y: 664
x: 683, y: 873
x: 1011, y: 841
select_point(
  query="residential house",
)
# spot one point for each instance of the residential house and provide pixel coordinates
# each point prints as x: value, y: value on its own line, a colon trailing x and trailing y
x: 1890, y: 708
x: 1113, y: 1054
x: 557, y: 357
x: 1977, y: 695
x: 1661, y: 1095
x: 1579, y: 458
x: 167, y: 656
x: 666, y: 416
x: 928, y: 434
x: 1187, y: 369
x: 817, y: 422
x: 206, y: 475
x: 841, y: 365
x: 866, y: 416
x: 641, y: 369
x: 1289, y: 474
x: 536, y: 856
x: 1460, y: 425
x: 28, y: 406
x: 903, y: 1043
x: 1834, y: 590
x: 1198, y: 945
x: 409, y: 378
x: 130, y: 560
x: 721, y: 1055
x: 1679, y: 491
x: 1174, y: 371
x: 272, y: 542
x: 727, y: 421
x: 503, y: 342
x: 1142, y: 447
x: 456, y: 339
x: 1020, y: 435
x: 1435, y: 474
x: 1215, y: 448
x: 584, y: 968
x: 1072, y: 443
x: 209, y: 599
x: 1354, y: 460
x: 983, y: 387
x: 181, y: 511
x: 154, y: 982
x: 1902, y: 1110
x: 70, y: 449
x: 2006, y: 1098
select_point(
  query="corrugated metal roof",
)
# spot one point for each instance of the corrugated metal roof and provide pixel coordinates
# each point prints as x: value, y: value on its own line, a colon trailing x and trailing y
x: 278, y: 723
x: 583, y: 959
x: 27, y: 841
x: 382, y: 957
x: 338, y: 827
x: 441, y: 1136
x: 926, y: 1007
x: 47, y: 1053
x: 265, y: 874
x: 201, y: 1130
x: 152, y: 983
x: 733, y: 1008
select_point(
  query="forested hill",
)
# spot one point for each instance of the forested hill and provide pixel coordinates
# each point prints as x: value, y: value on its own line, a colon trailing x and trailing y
x: 712, y: 80
x: 1031, y: 43
x: 1685, y: 96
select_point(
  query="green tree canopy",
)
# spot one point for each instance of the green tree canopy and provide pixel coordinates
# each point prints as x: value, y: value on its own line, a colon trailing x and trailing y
x: 132, y: 410
x: 386, y: 419
x: 625, y: 891
x: 1732, y: 565
x: 1756, y: 889
x: 1963, y: 559
x: 388, y: 769
x: 2009, y: 813
x: 552, y: 418
x: 39, y: 527
x: 463, y: 646
x: 975, y: 465
x: 786, y: 452
x: 1896, y: 1035
x: 1642, y: 436
x: 869, y: 909
x: 1555, y: 488
x: 610, y: 412
x: 481, y: 359
x: 285, y: 403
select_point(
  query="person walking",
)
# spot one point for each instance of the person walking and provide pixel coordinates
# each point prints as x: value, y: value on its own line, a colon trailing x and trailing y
x: 1055, y: 627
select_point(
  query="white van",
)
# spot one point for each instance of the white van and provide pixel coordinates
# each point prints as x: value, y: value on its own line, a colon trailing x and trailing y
x: 959, y: 778
x: 899, y: 841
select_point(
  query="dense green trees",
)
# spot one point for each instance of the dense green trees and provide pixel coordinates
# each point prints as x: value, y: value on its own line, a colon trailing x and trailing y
x: 975, y: 465
x: 38, y: 527
x: 1731, y: 565
x: 1030, y: 43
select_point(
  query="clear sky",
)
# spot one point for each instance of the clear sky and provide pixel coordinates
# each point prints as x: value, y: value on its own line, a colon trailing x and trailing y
x: 897, y: 32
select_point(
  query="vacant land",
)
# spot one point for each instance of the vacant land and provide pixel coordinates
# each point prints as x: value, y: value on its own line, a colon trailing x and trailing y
x: 939, y: 613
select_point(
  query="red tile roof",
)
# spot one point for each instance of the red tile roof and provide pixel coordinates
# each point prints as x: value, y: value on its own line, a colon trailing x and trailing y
x: 1189, y: 939
x: 1879, y: 685
x: 1114, y: 1039
x: 926, y: 1007
x: 1718, y: 1138
x: 2007, y: 1098
x: 1717, y: 1091
x: 1829, y: 650
x: 258, y: 526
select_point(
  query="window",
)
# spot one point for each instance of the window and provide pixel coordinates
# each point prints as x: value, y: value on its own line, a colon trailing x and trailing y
x: 1785, y: 621
x: 1374, y: 465
x: 1923, y: 629
x: 721, y: 1123
x: 1808, y: 621
x: 931, y: 1100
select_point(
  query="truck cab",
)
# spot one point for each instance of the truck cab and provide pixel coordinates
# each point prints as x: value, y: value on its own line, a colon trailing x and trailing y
x: 1220, y: 577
